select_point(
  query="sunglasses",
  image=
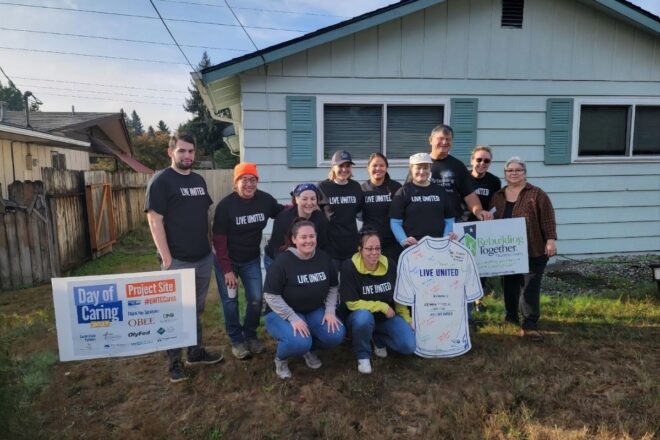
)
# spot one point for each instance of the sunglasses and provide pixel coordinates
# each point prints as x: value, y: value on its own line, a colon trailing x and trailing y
x: 479, y: 160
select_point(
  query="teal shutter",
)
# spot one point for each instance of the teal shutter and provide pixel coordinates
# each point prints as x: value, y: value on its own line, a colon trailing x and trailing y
x: 558, y: 131
x: 301, y: 131
x: 463, y: 121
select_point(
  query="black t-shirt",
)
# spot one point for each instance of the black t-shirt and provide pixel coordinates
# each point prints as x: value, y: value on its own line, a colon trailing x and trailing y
x: 485, y: 188
x: 242, y: 221
x: 356, y: 286
x: 376, y: 209
x: 451, y: 174
x: 423, y: 210
x: 283, y: 223
x: 183, y: 201
x: 302, y: 284
x: 341, y: 205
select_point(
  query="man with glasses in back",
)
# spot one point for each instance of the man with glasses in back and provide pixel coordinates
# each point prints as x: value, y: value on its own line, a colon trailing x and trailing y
x: 177, y: 204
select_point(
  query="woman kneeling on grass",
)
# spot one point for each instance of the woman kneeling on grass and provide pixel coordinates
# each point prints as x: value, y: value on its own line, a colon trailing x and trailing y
x: 367, y: 288
x: 301, y: 291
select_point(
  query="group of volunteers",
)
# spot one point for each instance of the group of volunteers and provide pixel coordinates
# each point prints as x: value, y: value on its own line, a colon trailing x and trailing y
x: 325, y: 279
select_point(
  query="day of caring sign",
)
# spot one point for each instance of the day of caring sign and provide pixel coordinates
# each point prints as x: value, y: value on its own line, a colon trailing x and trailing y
x: 124, y: 315
x: 498, y: 246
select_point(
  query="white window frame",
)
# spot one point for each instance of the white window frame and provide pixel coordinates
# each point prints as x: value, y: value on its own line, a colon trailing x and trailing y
x: 383, y: 100
x: 633, y: 102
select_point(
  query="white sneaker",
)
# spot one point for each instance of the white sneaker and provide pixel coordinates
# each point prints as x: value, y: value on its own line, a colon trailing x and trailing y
x: 282, y: 369
x: 312, y: 360
x: 364, y: 366
x: 381, y: 352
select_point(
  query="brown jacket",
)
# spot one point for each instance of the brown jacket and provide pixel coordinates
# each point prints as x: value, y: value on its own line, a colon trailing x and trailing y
x: 535, y: 205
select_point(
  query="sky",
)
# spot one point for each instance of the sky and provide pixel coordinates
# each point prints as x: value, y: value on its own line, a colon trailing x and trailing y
x: 46, y: 46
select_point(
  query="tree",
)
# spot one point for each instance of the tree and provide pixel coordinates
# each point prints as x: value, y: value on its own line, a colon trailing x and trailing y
x: 206, y: 130
x: 152, y: 150
x: 151, y: 132
x: 14, y: 98
x: 136, y: 123
x: 162, y: 127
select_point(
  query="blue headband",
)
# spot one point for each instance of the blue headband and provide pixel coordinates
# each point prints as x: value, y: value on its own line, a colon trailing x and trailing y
x: 302, y: 187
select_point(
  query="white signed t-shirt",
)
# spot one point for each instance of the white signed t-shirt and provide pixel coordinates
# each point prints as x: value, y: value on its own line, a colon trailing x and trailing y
x: 437, y: 277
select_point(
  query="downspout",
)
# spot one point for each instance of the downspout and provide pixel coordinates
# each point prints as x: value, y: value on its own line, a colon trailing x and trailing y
x: 13, y: 167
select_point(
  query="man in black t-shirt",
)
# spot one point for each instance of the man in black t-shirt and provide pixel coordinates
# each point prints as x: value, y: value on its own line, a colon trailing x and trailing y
x: 177, y: 204
x: 452, y: 175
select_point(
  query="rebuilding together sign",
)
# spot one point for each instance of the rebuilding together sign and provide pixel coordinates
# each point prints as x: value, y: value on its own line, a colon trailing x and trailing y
x: 123, y: 315
x: 498, y: 246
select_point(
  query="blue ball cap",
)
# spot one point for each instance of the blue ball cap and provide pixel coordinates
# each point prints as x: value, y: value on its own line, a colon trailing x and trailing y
x: 342, y: 156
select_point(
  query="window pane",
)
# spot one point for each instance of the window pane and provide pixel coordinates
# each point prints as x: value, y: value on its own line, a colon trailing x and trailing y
x: 409, y: 127
x: 647, y: 130
x: 356, y: 128
x: 603, y: 130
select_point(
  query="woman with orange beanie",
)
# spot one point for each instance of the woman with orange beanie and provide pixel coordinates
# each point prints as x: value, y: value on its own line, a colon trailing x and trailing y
x: 238, y: 223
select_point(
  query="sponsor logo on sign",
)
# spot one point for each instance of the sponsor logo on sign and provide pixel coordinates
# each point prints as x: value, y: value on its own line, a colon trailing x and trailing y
x: 139, y: 322
x: 134, y: 302
x: 138, y: 334
x: 160, y: 331
x: 110, y: 336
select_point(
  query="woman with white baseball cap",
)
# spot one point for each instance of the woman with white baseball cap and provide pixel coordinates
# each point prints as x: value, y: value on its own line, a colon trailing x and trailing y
x: 419, y: 208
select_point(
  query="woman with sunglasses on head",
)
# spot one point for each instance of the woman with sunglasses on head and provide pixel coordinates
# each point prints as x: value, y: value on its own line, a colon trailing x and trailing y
x: 420, y: 208
x: 485, y: 183
x: 522, y: 199
x: 301, y: 292
x: 378, y: 192
x: 305, y: 205
x: 367, y: 289
x: 237, y: 227
x: 342, y: 199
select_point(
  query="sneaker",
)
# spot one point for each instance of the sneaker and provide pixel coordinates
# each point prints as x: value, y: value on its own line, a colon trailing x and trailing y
x: 380, y: 352
x: 282, y: 369
x: 364, y: 366
x: 177, y: 373
x: 312, y: 360
x: 240, y: 351
x: 255, y: 346
x: 204, y: 357
x: 532, y: 335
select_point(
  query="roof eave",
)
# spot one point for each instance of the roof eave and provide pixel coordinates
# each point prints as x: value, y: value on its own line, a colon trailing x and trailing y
x: 38, y: 136
x: 630, y: 13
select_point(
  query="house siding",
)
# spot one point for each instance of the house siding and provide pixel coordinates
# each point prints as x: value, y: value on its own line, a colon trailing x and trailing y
x: 458, y: 49
x: 75, y: 160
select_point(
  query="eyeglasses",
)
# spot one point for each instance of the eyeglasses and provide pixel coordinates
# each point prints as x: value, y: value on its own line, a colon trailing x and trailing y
x: 479, y: 160
x: 372, y: 249
x: 514, y: 171
x: 248, y: 180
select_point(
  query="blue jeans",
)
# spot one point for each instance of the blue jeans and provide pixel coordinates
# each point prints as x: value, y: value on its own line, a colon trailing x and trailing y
x: 250, y: 275
x: 202, y: 279
x: 394, y: 333
x: 290, y: 345
x: 267, y: 262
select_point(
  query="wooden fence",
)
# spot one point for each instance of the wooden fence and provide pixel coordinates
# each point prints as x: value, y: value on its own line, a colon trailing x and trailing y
x: 51, y: 226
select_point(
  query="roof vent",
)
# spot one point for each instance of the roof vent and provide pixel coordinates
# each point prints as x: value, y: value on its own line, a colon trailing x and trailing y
x: 512, y: 13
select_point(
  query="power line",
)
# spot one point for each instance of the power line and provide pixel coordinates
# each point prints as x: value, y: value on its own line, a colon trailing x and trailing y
x: 96, y: 98
x: 241, y: 24
x: 22, y: 49
x: 121, y: 14
x: 172, y: 35
x: 34, y: 86
x: 243, y: 8
x: 100, y: 85
x: 11, y: 83
x: 99, y: 37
